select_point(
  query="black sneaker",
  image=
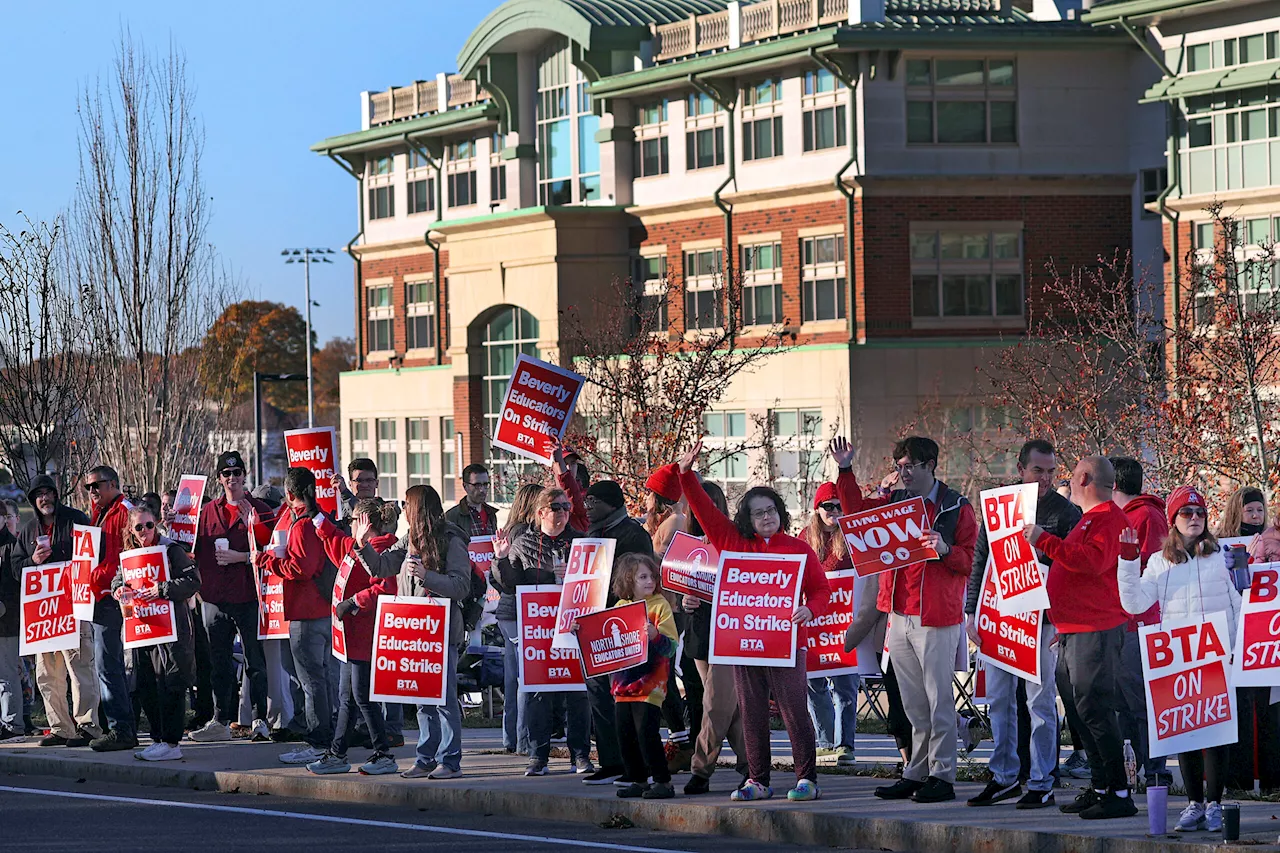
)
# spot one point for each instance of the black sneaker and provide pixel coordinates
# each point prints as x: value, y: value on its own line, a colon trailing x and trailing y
x: 632, y: 791
x: 1083, y: 800
x: 113, y: 741
x: 900, y: 790
x: 53, y: 740
x: 285, y: 735
x: 8, y: 735
x: 994, y: 793
x: 1035, y: 800
x: 604, y: 776
x: 82, y: 738
x: 697, y: 785
x: 1111, y: 805
x: 659, y: 791
x: 935, y: 790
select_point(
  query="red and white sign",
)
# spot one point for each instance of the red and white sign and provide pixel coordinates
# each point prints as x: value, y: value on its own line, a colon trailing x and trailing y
x: 887, y: 537
x: 1190, y: 702
x: 1257, y: 658
x: 410, y: 650
x: 756, y: 595
x: 689, y: 567
x: 825, y: 653
x: 544, y: 668
x: 586, y: 586
x: 1010, y: 641
x: 538, y: 404
x: 146, y: 623
x: 86, y: 552
x: 980, y: 682
x: 480, y: 550
x: 1019, y: 575
x: 186, y: 509
x: 339, y: 631
x: 271, y: 622
x: 48, y: 619
x: 614, y: 639
x: 316, y: 448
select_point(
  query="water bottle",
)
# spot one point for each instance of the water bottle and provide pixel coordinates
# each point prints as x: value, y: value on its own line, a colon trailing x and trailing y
x: 1130, y: 765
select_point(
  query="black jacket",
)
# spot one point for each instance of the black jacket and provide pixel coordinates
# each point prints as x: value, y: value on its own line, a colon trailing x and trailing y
x: 177, y: 660
x: 60, y: 541
x: 460, y: 516
x: 630, y: 535
x: 10, y: 586
x: 531, y: 561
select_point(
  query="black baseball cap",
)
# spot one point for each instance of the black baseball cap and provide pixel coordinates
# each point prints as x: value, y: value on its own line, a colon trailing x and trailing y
x: 229, y: 459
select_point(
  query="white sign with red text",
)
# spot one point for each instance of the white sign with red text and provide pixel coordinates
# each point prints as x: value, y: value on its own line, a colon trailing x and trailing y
x: 1018, y: 574
x: 86, y: 553
x: 316, y: 449
x: 338, y: 631
x: 1257, y: 658
x: 1190, y: 701
x: 48, y: 621
x: 586, y: 586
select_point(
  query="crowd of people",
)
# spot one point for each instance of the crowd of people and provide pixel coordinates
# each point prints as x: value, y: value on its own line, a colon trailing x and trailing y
x: 1117, y: 558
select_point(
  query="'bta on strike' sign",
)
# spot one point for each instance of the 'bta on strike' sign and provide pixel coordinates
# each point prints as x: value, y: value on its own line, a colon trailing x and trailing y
x: 316, y: 449
x: 887, y: 537
x: 1019, y: 575
x: 86, y: 553
x: 186, y: 509
x: 538, y: 404
x: 48, y: 623
x: 614, y: 639
x: 410, y: 650
x: 1009, y: 641
x: 1189, y: 702
x: 689, y: 567
x: 756, y: 596
x: 146, y: 623
x: 544, y: 668
x: 825, y: 654
x: 1257, y: 659
x: 586, y: 586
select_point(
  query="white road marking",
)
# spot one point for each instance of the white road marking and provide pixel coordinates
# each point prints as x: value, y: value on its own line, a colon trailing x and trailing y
x: 352, y: 821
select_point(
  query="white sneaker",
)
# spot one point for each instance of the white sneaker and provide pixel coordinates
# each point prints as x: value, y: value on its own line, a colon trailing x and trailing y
x: 211, y: 732
x: 303, y: 755
x: 1213, y: 817
x: 146, y: 753
x: 442, y: 772
x: 260, y: 733
x: 1191, y: 819
x: 159, y: 752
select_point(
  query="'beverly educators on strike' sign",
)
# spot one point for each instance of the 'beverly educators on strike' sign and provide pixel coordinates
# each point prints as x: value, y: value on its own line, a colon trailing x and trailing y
x: 543, y: 668
x: 186, y: 509
x: 1010, y: 641
x: 1257, y: 659
x: 271, y: 622
x: 887, y: 537
x: 614, y: 639
x: 86, y: 552
x: 689, y: 567
x: 316, y: 448
x: 48, y: 623
x: 539, y: 402
x: 146, y: 623
x: 825, y: 654
x: 410, y: 651
x: 756, y: 596
x: 1018, y: 574
x: 1189, y: 703
x: 586, y: 586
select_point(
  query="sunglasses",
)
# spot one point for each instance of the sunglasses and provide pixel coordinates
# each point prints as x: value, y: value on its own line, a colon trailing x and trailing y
x: 231, y: 472
x: 95, y: 485
x: 1192, y: 512
x: 830, y: 506
x: 558, y: 507
x: 145, y: 525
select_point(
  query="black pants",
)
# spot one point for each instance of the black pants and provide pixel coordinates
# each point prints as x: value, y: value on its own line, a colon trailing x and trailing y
x: 1132, y: 713
x: 642, y: 753
x: 1204, y: 768
x: 222, y: 622
x: 203, y: 702
x: 692, y: 696
x: 353, y: 696
x: 1087, y: 676
x: 899, y: 725
x: 1256, y: 755
x: 163, y: 698
x: 603, y: 725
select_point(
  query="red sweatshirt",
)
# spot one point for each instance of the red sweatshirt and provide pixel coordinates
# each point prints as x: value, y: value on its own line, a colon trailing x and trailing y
x: 365, y: 590
x: 112, y: 518
x: 1083, y: 593
x: 303, y: 559
x: 1146, y: 514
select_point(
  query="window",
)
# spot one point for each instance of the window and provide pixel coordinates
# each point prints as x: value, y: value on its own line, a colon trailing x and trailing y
x: 497, y: 169
x: 1257, y: 47
x: 762, y: 120
x: 359, y: 438
x: 966, y: 272
x: 419, y: 453
x: 823, y: 277
x: 820, y: 82
x: 382, y: 202
x: 825, y: 128
x: 703, y: 308
x: 797, y: 455
x: 568, y: 154
x: 388, y: 453
x: 459, y: 163
x: 382, y: 165
x: 1202, y: 235
x: 448, y: 457
x: 704, y: 133
x: 1154, y: 182
x: 511, y: 332
x: 462, y: 188
x: 650, y: 155
x: 993, y: 426
x: 422, y: 195
x: 651, y: 291
x: 420, y: 314
x: 961, y: 102
x: 725, y: 435
x: 380, y: 315
x: 418, y: 161
x: 762, y: 284
x: 1231, y: 141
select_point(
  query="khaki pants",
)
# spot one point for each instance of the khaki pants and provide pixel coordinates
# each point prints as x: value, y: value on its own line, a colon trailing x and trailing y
x: 924, y: 659
x: 720, y: 719
x: 52, y: 671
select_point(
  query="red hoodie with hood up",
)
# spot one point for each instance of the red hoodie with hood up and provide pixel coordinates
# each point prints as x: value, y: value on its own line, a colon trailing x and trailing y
x: 1146, y: 514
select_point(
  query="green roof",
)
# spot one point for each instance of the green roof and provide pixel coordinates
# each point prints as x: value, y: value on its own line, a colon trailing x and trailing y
x: 1208, y: 82
x: 437, y: 123
x: 1110, y: 11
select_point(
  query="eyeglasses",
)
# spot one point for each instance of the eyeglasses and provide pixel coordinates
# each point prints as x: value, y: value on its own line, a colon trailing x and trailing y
x: 478, y: 484
x: 830, y: 506
x: 761, y: 514
x: 1193, y: 512
x: 559, y: 507
x: 364, y: 481
x: 231, y: 472
x: 95, y: 485
x: 905, y: 469
x: 145, y: 525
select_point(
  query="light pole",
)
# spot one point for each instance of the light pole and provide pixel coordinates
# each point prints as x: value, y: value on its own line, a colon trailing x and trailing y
x: 303, y: 256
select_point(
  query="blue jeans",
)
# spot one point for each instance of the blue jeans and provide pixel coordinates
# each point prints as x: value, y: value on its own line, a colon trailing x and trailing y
x: 834, y: 729
x: 108, y: 651
x: 309, y: 641
x: 353, y: 690
x: 440, y: 726
x: 515, y: 730
x: 539, y: 714
x: 1042, y: 703
x: 393, y: 713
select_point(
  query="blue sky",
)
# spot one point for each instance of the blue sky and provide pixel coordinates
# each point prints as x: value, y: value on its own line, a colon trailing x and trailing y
x: 271, y: 79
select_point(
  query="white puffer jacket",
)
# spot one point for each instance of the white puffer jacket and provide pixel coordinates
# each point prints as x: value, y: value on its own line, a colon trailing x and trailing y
x: 1200, y: 586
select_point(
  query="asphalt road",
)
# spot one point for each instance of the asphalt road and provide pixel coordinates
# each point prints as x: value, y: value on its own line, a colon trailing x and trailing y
x: 42, y: 813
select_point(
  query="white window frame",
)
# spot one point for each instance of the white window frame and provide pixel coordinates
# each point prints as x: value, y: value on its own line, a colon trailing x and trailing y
x: 456, y: 166
x: 798, y: 443
x: 694, y: 122
x: 419, y: 309
x: 816, y: 272
x: 359, y: 443
x: 652, y: 132
x: 380, y: 314
x: 388, y: 449
x: 753, y: 112
x: 660, y: 286
x: 989, y: 266
x: 718, y: 444
x: 702, y: 283
x: 757, y: 278
x: 986, y: 93
x: 418, y: 447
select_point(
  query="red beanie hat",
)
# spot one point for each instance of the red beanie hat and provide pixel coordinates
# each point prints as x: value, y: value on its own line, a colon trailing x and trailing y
x: 826, y: 492
x: 1184, y: 496
x: 665, y: 482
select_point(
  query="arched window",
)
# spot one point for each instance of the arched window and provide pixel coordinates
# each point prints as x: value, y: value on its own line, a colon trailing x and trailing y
x: 568, y: 154
x: 508, y: 334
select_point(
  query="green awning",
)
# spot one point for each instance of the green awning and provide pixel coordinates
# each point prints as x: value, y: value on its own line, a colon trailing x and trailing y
x: 1208, y: 82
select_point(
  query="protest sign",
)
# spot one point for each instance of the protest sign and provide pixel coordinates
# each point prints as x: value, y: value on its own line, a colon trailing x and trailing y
x: 316, y: 448
x: 146, y: 623
x: 410, y: 650
x: 271, y: 622
x: 86, y: 553
x: 1010, y: 641
x: 48, y: 617
x: 887, y: 537
x: 337, y: 630
x: 538, y: 404
x: 586, y: 586
x: 613, y: 639
x: 1190, y: 704
x: 186, y: 509
x: 755, y: 598
x: 689, y: 566
x: 480, y: 551
x: 980, y: 682
x: 1019, y: 575
x: 544, y: 668
x: 825, y: 654
x: 1257, y: 659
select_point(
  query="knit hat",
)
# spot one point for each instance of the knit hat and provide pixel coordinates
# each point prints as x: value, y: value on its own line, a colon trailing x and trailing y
x: 607, y: 491
x: 1252, y: 496
x: 1184, y: 496
x: 826, y: 492
x: 665, y: 482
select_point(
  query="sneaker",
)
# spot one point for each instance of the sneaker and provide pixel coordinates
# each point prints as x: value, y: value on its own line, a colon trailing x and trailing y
x: 159, y: 752
x: 624, y: 780
x: 329, y: 763
x: 536, y: 768
x: 604, y: 776
x: 994, y: 793
x: 805, y: 790
x: 443, y: 772
x: 1083, y: 800
x: 145, y: 754
x: 82, y: 738
x: 304, y: 755
x: 239, y: 732
x: 260, y: 732
x: 635, y: 789
x: 379, y: 764
x: 1111, y: 805
x: 419, y: 771
x: 844, y: 757
x: 211, y: 732
x: 285, y: 735
x: 1035, y: 800
x: 751, y: 790
x: 657, y: 791
x: 697, y: 785
x: 1077, y: 765
x: 1191, y: 819
x: 900, y: 790
x: 52, y: 740
x: 584, y: 767
x: 1213, y: 817
x: 113, y: 741
x: 935, y: 790
x: 8, y: 735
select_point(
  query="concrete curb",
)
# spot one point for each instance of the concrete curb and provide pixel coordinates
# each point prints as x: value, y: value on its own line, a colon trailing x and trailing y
x: 787, y: 826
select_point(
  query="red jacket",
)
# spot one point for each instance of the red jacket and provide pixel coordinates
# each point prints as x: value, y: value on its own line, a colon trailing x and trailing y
x: 1146, y: 514
x: 946, y: 579
x: 365, y: 590
x: 113, y: 518
x: 1083, y: 592
x: 232, y: 583
x: 303, y: 560
x: 725, y: 536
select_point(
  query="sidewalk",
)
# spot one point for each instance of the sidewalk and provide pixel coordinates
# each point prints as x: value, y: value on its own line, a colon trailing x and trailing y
x: 847, y: 815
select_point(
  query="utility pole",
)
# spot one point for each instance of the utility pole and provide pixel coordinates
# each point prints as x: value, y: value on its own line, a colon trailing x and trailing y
x: 303, y: 256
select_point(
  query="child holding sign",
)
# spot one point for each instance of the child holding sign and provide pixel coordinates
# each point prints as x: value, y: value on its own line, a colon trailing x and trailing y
x: 1187, y: 578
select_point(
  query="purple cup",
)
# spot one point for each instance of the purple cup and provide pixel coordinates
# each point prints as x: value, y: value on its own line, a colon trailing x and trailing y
x: 1157, y: 810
